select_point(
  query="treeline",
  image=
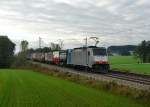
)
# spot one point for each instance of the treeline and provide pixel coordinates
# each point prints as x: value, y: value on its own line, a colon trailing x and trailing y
x: 53, y: 47
x: 121, y: 50
x: 25, y: 53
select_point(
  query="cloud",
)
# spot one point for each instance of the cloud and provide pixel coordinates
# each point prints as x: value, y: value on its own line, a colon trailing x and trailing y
x: 115, y: 22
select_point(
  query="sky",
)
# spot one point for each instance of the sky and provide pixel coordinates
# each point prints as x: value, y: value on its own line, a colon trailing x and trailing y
x: 115, y: 22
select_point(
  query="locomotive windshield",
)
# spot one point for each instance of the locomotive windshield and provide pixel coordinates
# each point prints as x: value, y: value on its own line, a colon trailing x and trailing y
x: 99, y: 51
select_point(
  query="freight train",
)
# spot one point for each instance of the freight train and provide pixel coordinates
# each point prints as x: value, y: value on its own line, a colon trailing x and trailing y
x: 93, y: 58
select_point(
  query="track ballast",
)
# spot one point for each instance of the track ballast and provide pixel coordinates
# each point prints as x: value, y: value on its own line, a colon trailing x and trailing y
x: 123, y: 78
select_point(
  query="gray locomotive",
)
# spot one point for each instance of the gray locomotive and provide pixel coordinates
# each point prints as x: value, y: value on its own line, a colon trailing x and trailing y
x: 94, y: 58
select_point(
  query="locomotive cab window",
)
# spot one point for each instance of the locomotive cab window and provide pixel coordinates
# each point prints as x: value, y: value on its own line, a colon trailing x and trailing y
x: 97, y: 52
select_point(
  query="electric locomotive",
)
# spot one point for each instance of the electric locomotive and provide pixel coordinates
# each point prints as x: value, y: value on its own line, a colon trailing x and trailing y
x: 94, y: 58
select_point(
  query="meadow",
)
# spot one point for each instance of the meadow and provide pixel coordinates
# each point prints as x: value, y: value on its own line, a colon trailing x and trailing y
x: 23, y: 88
x: 129, y: 64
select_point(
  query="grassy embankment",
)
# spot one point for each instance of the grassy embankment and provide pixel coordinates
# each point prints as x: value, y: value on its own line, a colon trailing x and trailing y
x: 22, y: 88
x: 129, y: 63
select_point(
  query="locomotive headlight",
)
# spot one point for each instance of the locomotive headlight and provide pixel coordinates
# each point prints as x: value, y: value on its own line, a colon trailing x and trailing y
x: 100, y: 60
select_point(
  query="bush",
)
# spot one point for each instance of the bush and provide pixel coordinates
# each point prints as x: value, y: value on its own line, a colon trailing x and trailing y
x: 20, y: 60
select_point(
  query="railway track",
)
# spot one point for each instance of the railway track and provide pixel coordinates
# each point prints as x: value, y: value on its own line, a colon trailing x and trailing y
x: 123, y: 78
x: 137, y: 78
x: 129, y: 77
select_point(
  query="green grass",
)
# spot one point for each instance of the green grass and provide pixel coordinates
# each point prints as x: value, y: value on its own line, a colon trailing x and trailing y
x: 122, y: 60
x: 129, y: 63
x: 19, y: 88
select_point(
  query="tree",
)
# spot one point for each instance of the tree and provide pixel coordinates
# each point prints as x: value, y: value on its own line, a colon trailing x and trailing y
x: 61, y: 43
x: 143, y: 51
x: 6, y: 51
x: 24, y: 45
x: 20, y: 59
x: 55, y: 47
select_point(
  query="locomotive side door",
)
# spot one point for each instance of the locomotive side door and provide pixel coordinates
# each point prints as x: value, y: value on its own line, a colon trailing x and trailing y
x: 89, y: 58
